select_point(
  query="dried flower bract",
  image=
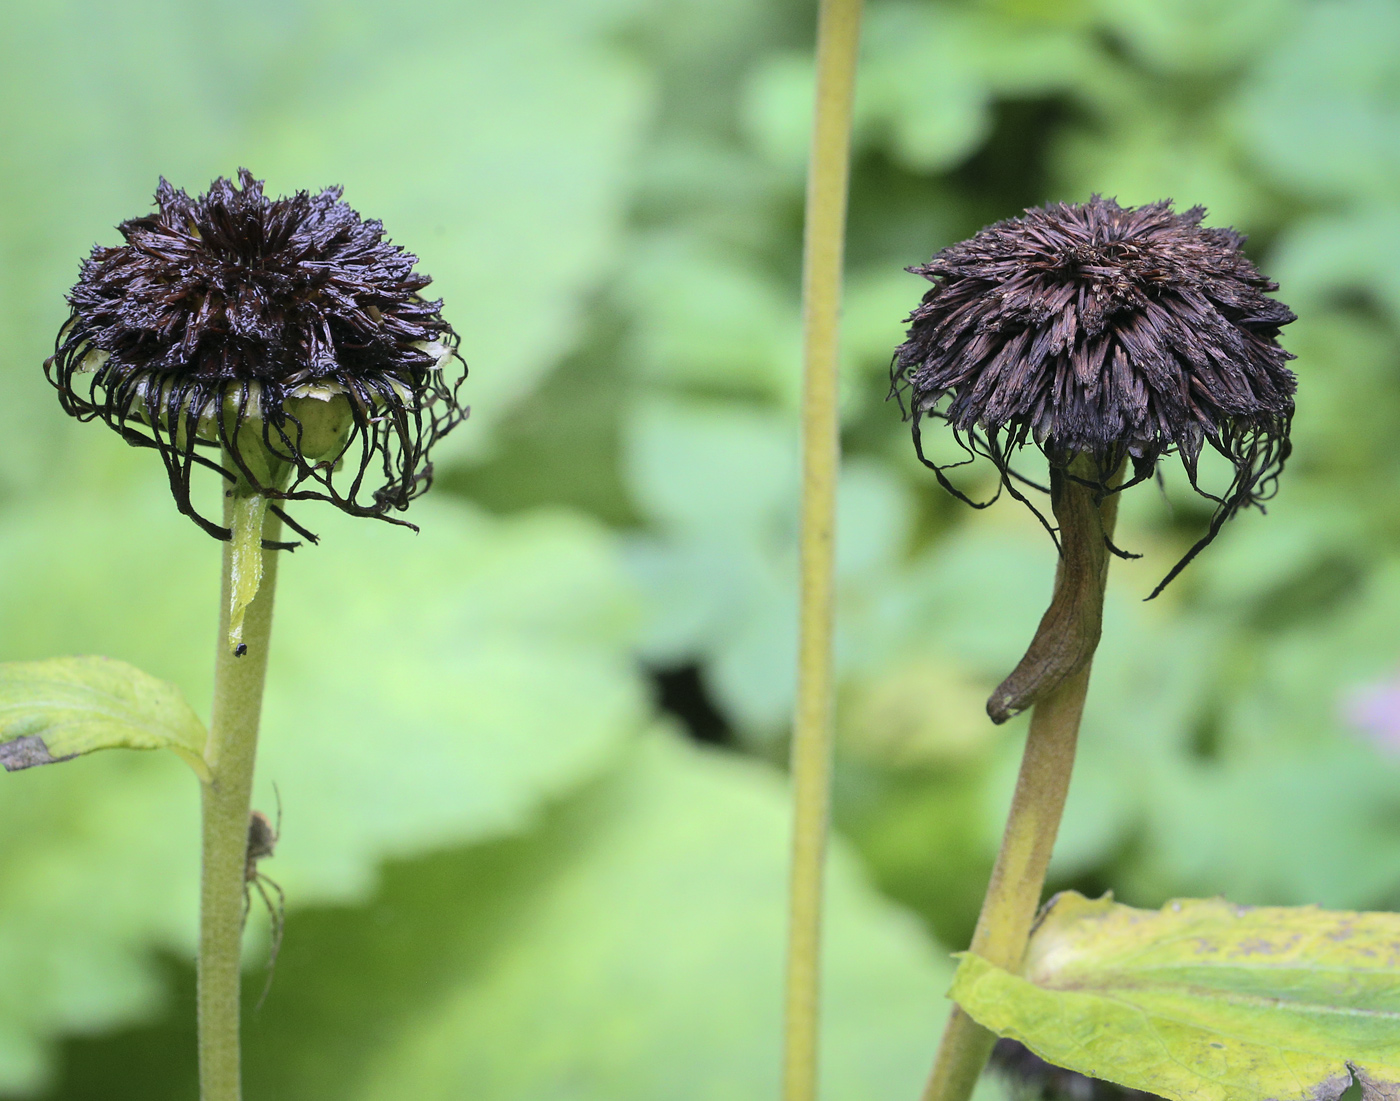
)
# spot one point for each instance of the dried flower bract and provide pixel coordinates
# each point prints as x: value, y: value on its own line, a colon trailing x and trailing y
x: 287, y: 332
x: 1123, y: 334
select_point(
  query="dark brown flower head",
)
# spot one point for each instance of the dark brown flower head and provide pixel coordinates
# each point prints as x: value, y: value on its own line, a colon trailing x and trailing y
x: 286, y: 327
x: 1118, y: 333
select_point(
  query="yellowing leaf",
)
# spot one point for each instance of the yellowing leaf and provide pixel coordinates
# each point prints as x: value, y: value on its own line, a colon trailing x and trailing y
x: 62, y: 708
x: 1204, y: 1000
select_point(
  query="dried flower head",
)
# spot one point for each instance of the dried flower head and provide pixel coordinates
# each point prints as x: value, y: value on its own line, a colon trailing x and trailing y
x: 1119, y: 333
x: 287, y: 332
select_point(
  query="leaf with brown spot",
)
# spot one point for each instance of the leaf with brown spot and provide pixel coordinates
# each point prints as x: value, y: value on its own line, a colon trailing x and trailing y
x: 1204, y: 1000
x: 58, y: 709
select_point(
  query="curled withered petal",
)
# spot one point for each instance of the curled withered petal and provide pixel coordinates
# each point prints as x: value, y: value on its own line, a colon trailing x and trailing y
x: 1122, y: 334
x: 288, y: 326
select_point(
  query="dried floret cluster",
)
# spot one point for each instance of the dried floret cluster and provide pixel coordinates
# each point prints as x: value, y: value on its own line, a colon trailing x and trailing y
x: 1120, y: 333
x: 286, y: 326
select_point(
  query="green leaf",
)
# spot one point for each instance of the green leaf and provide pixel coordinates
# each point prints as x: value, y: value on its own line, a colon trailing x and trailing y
x: 62, y: 708
x: 930, y: 74
x: 679, y: 888
x: 1278, y: 826
x: 1332, y: 256
x: 745, y: 341
x: 1196, y: 37
x: 1290, y: 804
x: 245, y: 562
x: 1204, y: 1000
x: 463, y: 674
x: 876, y: 302
x: 1321, y: 115
x: 1346, y: 359
x: 1142, y: 153
x: 719, y: 481
x: 431, y: 689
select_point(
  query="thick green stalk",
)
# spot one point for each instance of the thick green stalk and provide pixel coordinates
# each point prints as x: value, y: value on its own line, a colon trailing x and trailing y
x: 231, y: 752
x: 1013, y: 896
x: 838, y: 31
x: 1060, y: 659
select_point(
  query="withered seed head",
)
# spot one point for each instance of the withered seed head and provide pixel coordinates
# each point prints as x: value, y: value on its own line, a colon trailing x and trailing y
x: 1118, y: 333
x: 288, y: 326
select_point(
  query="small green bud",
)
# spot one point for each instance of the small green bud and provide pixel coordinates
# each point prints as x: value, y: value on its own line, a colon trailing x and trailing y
x: 325, y: 419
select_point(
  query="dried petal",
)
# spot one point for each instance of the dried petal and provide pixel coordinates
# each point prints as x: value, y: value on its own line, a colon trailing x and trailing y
x: 1110, y: 332
x: 285, y: 326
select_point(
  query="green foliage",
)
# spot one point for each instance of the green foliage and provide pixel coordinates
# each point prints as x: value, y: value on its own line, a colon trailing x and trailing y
x: 1203, y: 1000
x: 617, y: 185
x: 1245, y: 667
x: 669, y: 877
x: 426, y: 691
x: 54, y: 710
x: 475, y: 671
x: 446, y: 124
x: 1320, y: 111
x: 629, y: 946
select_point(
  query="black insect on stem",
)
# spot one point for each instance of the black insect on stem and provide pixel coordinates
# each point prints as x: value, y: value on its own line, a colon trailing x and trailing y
x: 288, y: 332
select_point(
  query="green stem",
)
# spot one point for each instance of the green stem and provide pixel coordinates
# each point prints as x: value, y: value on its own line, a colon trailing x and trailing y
x: 1018, y: 878
x: 1013, y: 896
x: 838, y: 32
x: 231, y: 751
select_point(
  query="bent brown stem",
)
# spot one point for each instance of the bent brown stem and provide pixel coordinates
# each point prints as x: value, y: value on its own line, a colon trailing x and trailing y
x: 1054, y: 675
x: 1069, y: 630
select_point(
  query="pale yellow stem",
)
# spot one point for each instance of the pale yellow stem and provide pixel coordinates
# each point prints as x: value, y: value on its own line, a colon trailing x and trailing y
x: 838, y: 31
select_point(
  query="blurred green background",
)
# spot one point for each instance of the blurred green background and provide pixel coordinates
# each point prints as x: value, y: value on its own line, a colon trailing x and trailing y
x: 530, y: 761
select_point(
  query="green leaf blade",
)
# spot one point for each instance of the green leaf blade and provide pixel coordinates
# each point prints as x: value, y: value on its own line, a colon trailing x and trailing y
x: 62, y: 708
x: 1204, y: 1000
x: 627, y: 948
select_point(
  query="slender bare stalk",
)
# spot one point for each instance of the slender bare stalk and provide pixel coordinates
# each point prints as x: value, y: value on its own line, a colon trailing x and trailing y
x: 1055, y: 674
x: 838, y: 32
x: 231, y: 752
